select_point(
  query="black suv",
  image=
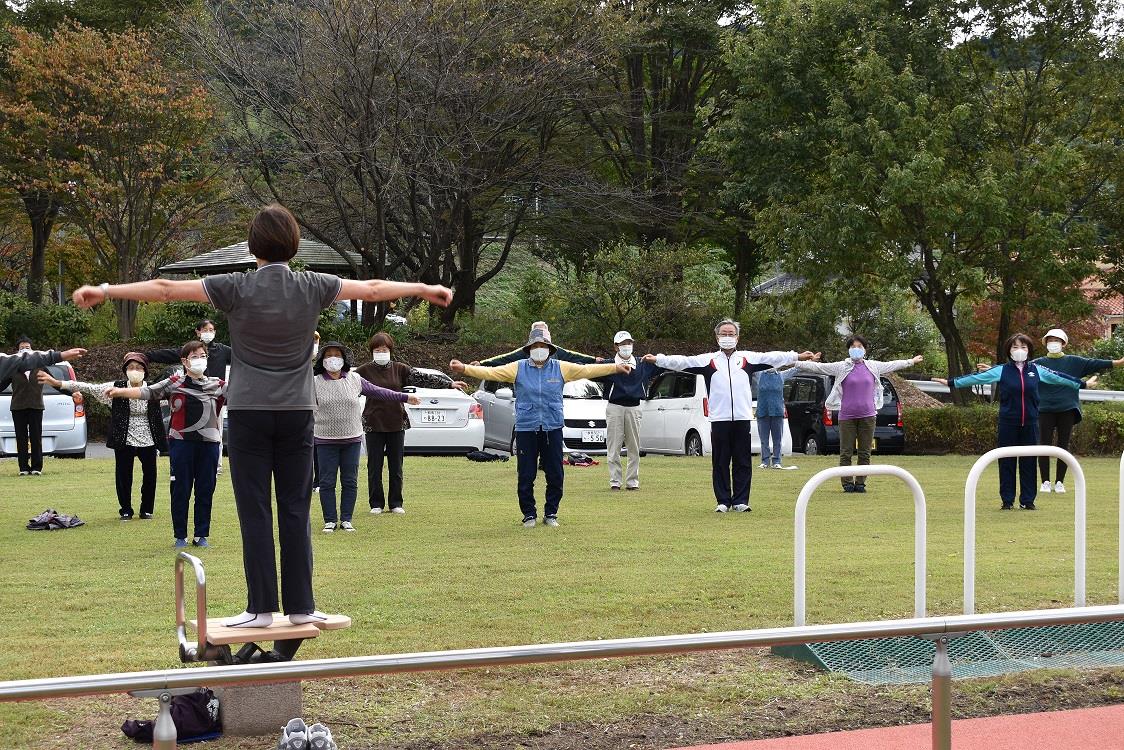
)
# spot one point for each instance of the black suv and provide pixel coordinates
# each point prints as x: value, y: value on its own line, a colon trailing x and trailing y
x: 815, y: 430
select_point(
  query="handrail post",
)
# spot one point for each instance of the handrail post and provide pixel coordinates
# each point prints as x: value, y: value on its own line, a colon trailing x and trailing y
x: 198, y: 651
x: 800, y: 531
x: 164, y: 734
x: 942, y: 697
x: 1079, y: 501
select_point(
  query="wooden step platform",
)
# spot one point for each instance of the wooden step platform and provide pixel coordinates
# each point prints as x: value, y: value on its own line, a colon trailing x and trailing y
x: 281, y: 630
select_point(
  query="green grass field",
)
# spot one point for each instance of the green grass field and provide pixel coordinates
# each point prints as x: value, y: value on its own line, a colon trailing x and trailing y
x: 459, y: 571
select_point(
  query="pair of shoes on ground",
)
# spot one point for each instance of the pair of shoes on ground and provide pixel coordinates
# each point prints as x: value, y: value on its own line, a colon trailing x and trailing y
x: 529, y: 522
x: 331, y: 526
x: 1058, y: 487
x: 739, y: 508
x: 33, y: 473
x: 616, y: 487
x: 1024, y: 506
x: 296, y: 735
x: 199, y: 541
x: 859, y: 488
x: 399, y: 510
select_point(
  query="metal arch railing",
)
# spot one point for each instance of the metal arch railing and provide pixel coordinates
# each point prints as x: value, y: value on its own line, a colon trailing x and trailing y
x: 919, y: 516
x: 1019, y: 451
x: 200, y: 650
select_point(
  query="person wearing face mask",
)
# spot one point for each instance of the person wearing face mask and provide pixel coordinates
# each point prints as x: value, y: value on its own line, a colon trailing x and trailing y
x: 538, y: 380
x: 1018, y: 380
x: 727, y: 373
x: 516, y: 355
x: 338, y: 430
x: 1059, y: 408
x: 623, y: 412
x: 768, y: 385
x: 27, y: 415
x: 385, y: 422
x: 858, y: 395
x: 218, y: 353
x: 194, y: 437
x: 136, y: 431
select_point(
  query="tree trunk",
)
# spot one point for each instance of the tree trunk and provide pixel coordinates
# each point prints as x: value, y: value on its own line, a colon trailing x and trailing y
x: 41, y: 212
x: 746, y: 264
x: 942, y: 312
x: 126, y: 317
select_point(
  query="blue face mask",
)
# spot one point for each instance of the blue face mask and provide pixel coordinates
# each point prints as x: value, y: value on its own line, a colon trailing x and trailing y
x: 856, y: 353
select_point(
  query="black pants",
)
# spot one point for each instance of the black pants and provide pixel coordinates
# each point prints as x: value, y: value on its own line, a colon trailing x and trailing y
x: 123, y: 458
x: 1061, y: 422
x: 530, y: 448
x: 29, y: 433
x: 392, y: 446
x: 1013, y: 434
x: 731, y: 443
x: 273, y: 447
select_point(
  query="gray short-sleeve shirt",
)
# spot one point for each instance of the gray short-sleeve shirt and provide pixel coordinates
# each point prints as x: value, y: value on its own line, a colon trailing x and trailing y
x: 272, y: 313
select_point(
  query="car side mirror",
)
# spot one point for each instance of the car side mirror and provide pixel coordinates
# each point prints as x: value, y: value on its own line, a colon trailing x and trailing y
x: 505, y: 394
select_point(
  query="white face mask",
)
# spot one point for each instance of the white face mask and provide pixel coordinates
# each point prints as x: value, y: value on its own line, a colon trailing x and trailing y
x: 856, y: 353
x: 727, y: 343
x: 1018, y: 355
x: 625, y: 351
x: 207, y: 337
x: 1054, y: 347
x: 381, y: 358
x: 540, y: 354
x: 136, y: 377
x: 333, y: 364
x: 197, y: 366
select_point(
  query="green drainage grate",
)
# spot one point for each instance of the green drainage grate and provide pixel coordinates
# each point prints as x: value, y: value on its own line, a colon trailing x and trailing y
x: 902, y: 661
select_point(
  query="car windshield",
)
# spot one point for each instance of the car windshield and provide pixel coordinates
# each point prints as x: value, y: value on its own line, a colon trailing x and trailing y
x: 582, y: 389
x: 446, y: 381
x: 59, y: 372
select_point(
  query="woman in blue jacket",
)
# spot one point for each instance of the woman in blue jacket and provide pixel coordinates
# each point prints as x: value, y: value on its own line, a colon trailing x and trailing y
x: 1018, y: 381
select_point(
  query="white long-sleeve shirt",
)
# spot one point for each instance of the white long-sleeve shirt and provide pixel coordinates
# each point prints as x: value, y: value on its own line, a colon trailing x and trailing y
x: 727, y: 378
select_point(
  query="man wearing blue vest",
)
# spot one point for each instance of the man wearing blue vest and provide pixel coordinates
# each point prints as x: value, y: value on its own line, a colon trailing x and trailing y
x: 538, y: 379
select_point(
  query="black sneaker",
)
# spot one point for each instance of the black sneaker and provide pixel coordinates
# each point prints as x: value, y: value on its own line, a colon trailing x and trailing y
x: 848, y: 488
x: 126, y: 516
x: 145, y: 516
x: 860, y: 488
x: 1007, y: 506
x: 1029, y: 506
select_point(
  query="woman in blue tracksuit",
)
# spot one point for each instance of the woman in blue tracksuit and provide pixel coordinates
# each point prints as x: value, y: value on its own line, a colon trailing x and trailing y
x: 1018, y: 382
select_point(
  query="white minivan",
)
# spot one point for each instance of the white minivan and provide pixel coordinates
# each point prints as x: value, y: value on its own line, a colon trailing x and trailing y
x: 676, y: 418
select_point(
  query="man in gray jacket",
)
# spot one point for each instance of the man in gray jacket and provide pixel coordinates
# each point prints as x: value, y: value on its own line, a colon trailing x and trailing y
x: 13, y: 367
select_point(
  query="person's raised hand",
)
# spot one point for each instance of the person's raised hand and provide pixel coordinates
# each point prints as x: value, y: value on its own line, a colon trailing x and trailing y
x: 460, y: 385
x: 115, y: 393
x: 456, y: 365
x: 475, y: 363
x: 1092, y: 381
x: 624, y: 367
x: 599, y: 360
x: 46, y: 379
x: 942, y: 381
x: 72, y: 354
x: 918, y: 359
x: 1118, y: 362
x: 88, y: 296
x: 413, y: 400
x: 437, y: 295
x: 650, y: 358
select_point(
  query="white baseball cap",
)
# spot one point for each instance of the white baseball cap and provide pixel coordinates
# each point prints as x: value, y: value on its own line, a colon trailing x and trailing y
x: 622, y: 336
x: 1056, y: 333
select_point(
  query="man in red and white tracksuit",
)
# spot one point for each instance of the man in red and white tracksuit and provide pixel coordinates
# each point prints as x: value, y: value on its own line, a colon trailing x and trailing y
x: 727, y: 373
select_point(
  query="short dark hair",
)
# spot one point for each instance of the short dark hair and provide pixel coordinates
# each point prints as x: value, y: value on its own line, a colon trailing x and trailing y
x: 382, y: 338
x: 1020, y: 338
x: 274, y: 234
x: 203, y: 322
x: 190, y: 348
x: 23, y: 340
x: 856, y: 337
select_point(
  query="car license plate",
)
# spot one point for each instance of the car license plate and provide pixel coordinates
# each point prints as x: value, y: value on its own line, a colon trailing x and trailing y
x: 593, y: 436
x: 433, y: 416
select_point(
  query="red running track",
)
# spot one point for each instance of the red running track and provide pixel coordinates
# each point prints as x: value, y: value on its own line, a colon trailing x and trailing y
x: 1084, y: 729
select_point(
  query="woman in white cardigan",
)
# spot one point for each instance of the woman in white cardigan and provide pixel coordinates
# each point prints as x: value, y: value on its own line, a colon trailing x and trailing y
x: 857, y: 395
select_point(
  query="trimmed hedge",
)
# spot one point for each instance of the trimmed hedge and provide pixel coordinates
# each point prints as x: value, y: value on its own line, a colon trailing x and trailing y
x: 48, y: 326
x: 971, y: 430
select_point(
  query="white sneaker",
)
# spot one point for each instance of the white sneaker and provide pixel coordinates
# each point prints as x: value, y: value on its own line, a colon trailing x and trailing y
x: 741, y: 508
x: 329, y: 527
x: 376, y: 511
x: 346, y: 526
x: 763, y: 465
x: 249, y: 620
x: 1047, y: 487
x: 294, y: 736
x: 304, y: 619
x: 316, y: 489
x: 720, y: 508
x: 320, y: 738
x: 399, y: 510
x: 528, y: 523
x: 1059, y: 488
x: 550, y: 521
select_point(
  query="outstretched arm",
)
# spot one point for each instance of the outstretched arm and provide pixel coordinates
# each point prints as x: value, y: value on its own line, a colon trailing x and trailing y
x: 154, y: 290
x: 1052, y: 377
x: 505, y: 374
x: 991, y: 375
x: 381, y: 290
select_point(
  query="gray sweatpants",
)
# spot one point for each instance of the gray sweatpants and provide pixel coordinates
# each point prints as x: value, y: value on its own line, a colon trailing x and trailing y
x: 623, y: 430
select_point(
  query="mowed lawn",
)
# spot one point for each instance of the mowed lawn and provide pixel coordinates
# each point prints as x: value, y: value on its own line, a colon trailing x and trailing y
x: 459, y: 571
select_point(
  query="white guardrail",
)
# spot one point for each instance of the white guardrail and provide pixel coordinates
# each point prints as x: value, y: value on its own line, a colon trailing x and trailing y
x: 1085, y: 394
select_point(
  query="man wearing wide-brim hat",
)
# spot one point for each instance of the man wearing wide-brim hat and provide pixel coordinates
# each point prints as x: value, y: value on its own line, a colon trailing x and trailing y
x: 538, y: 379
x: 1059, y: 408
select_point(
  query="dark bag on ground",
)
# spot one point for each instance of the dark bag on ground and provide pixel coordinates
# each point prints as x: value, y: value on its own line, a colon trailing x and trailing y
x: 580, y: 459
x: 196, y: 716
x: 485, y: 456
x: 51, y: 519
